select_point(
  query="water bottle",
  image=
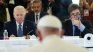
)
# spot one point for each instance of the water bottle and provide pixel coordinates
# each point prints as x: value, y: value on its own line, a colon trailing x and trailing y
x: 5, y: 34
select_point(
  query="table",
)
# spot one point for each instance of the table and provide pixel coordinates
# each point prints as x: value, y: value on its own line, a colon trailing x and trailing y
x: 20, y: 44
x: 79, y: 41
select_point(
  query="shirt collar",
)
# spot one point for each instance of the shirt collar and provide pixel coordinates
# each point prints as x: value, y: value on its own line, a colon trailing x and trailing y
x: 37, y: 13
x: 18, y: 24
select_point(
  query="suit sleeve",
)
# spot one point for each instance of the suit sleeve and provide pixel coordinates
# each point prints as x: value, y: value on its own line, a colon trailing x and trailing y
x: 88, y: 28
x: 1, y: 30
x: 7, y: 27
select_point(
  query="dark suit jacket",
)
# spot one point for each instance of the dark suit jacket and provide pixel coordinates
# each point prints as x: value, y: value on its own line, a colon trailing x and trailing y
x: 19, y: 2
x: 69, y: 28
x: 55, y: 6
x: 63, y: 14
x: 45, y: 5
x: 1, y: 30
x: 27, y: 27
x: 31, y: 16
x: 3, y: 16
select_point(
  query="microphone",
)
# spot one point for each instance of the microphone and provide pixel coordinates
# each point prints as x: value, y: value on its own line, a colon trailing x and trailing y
x: 27, y: 35
x: 29, y: 32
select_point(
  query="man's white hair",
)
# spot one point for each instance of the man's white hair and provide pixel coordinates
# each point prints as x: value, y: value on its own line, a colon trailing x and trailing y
x: 49, y: 21
x: 19, y: 8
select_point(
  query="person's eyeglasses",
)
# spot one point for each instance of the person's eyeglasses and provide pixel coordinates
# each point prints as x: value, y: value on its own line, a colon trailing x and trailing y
x: 75, y: 14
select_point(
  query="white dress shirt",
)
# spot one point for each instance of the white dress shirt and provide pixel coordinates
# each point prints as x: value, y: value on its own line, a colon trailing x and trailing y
x: 17, y: 24
x: 37, y: 19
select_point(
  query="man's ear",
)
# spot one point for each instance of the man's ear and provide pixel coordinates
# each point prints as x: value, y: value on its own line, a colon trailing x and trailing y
x: 39, y: 35
x: 62, y: 33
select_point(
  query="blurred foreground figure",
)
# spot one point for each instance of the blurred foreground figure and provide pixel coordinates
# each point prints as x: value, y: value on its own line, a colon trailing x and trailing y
x: 49, y: 28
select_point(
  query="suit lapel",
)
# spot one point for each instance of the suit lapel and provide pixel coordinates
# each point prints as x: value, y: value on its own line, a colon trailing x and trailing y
x: 70, y: 27
x: 77, y: 31
x: 23, y: 28
x: 15, y: 28
x: 33, y: 16
x: 41, y: 14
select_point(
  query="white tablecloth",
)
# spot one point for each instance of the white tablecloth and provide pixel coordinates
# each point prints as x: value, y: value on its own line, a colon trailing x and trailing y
x: 79, y: 42
x: 19, y: 45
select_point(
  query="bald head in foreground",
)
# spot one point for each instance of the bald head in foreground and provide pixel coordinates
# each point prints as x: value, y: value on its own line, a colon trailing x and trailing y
x: 50, y: 28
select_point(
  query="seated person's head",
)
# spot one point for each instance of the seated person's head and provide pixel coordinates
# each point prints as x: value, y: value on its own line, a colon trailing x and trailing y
x: 49, y: 25
x: 37, y: 6
x: 74, y: 11
x: 19, y: 13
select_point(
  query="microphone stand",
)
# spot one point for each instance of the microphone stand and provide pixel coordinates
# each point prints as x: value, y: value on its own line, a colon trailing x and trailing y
x: 27, y: 35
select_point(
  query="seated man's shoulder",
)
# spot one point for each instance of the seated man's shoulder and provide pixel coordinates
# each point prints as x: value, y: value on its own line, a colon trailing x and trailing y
x: 45, y: 13
x: 29, y: 22
x: 67, y: 22
x: 29, y: 13
x: 1, y: 23
x: 9, y: 22
x: 86, y: 22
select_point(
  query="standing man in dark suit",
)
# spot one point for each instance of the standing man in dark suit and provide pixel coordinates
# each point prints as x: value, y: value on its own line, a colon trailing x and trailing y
x: 37, y: 12
x: 3, y: 16
x: 19, y: 27
x: 63, y: 14
x: 51, y: 6
x: 76, y: 26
